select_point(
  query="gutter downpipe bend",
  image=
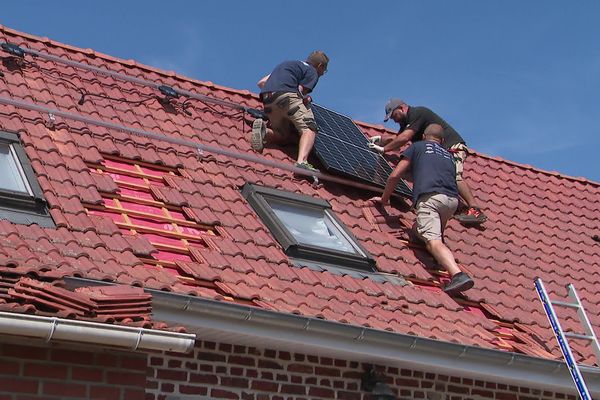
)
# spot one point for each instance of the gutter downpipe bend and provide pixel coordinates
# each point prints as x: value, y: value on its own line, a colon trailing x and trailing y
x: 60, y: 329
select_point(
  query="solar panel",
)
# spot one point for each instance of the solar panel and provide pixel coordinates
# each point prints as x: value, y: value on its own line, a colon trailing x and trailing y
x: 343, y: 148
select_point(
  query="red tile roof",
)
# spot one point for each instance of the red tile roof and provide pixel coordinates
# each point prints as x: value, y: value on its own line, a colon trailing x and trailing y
x: 152, y: 214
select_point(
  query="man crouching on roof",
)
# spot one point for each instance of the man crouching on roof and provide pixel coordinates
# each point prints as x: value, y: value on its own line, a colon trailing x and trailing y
x: 284, y: 93
x: 435, y: 198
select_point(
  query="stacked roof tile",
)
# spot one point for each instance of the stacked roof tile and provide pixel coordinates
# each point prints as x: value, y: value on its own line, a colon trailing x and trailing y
x: 152, y: 214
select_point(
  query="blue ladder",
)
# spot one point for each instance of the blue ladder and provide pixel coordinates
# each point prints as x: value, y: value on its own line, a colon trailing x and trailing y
x: 561, y: 336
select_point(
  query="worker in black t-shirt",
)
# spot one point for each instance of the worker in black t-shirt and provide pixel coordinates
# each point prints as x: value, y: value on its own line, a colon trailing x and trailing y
x: 435, y: 198
x: 286, y: 99
x: 413, y: 121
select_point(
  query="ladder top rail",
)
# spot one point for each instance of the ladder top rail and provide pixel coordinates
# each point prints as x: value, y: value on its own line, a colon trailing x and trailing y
x: 561, y: 338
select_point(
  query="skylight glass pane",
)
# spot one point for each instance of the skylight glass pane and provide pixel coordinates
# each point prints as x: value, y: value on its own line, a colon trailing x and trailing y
x: 311, y: 226
x: 11, y: 177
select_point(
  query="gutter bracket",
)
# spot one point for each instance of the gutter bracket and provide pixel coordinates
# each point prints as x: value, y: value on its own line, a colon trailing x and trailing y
x: 512, y: 360
x: 413, y: 344
x: 558, y: 368
x: 138, y: 340
x: 187, y: 304
x: 306, y: 325
x: 52, y: 329
x: 361, y: 335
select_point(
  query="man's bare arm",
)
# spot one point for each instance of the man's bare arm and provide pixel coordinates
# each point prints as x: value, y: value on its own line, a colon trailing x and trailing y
x: 399, y: 140
x: 394, y: 179
x: 392, y: 182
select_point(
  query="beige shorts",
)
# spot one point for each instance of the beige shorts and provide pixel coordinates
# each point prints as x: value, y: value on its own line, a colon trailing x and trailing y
x: 433, y: 212
x: 281, y: 109
x: 459, y: 152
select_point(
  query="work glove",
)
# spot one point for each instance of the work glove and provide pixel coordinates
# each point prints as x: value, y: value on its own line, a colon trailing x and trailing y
x: 376, y: 148
x: 375, y: 139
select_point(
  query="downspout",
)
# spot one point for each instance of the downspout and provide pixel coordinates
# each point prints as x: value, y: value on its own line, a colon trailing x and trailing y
x: 60, y: 329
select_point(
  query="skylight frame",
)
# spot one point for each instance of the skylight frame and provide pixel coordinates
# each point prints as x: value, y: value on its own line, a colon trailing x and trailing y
x: 258, y: 197
x: 23, y: 207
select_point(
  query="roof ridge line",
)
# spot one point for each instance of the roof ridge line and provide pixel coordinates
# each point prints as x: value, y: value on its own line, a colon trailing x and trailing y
x: 129, y: 63
x: 580, y: 179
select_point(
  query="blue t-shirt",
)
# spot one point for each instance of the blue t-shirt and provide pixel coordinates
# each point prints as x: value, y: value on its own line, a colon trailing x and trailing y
x: 288, y: 75
x: 433, y: 169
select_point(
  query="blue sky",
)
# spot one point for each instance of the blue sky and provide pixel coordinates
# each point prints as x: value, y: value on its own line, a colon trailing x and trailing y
x: 517, y: 79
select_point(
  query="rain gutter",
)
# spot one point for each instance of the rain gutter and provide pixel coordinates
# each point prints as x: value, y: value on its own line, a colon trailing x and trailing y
x: 233, y: 323
x: 60, y: 329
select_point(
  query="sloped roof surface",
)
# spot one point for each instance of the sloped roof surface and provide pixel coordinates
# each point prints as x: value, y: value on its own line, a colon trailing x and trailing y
x: 152, y: 214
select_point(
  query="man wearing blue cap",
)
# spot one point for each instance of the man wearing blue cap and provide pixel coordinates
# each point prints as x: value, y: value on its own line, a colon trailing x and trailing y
x: 413, y: 121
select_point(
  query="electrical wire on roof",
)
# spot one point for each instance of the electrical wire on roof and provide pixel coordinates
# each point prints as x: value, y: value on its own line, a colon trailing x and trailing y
x: 21, y: 51
x: 167, y: 101
x: 17, y: 60
x: 198, y: 147
x: 86, y: 94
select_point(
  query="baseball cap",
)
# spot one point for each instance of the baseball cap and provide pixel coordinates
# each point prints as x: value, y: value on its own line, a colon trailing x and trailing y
x: 391, y: 106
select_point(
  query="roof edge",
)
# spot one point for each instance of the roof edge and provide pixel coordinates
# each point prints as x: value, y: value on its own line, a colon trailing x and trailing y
x: 127, y: 63
x: 222, y: 322
x: 581, y: 179
x: 218, y: 321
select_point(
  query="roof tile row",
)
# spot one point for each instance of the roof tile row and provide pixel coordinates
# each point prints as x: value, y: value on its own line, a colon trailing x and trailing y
x: 540, y: 223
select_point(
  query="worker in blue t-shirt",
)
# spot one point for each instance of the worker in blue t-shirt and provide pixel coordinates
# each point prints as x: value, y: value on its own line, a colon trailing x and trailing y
x: 286, y: 99
x: 435, y: 198
x: 413, y: 121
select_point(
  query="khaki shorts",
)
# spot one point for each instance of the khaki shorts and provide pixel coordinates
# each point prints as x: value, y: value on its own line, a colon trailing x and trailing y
x: 433, y: 212
x: 459, y: 152
x: 281, y: 109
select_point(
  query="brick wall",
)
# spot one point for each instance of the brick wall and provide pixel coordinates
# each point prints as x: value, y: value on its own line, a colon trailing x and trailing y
x: 219, y: 371
x: 223, y: 371
x: 52, y: 372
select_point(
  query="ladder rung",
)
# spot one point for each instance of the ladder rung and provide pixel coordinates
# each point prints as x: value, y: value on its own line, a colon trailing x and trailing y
x: 578, y: 336
x: 564, y: 304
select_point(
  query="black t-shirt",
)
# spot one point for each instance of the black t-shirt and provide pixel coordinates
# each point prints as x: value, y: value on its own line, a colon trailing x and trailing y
x: 419, y: 118
x: 433, y: 169
x: 288, y: 75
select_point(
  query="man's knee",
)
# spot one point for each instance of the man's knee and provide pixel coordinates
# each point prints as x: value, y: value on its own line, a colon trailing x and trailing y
x: 434, y: 243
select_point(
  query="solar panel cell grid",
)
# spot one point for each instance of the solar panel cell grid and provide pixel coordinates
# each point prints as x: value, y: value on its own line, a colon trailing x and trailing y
x: 342, y: 147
